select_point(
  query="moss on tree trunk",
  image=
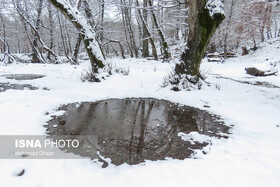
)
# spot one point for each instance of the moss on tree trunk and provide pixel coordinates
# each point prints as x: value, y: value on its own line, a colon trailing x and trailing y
x: 95, y: 62
x: 202, y: 28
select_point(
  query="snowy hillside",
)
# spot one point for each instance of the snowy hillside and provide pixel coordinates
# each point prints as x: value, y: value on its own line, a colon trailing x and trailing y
x: 249, y: 157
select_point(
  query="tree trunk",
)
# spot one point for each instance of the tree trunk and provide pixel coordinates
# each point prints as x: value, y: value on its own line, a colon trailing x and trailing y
x: 102, y: 11
x: 186, y: 21
x: 177, y: 22
x: 37, y: 57
x: 35, y: 54
x: 77, y: 49
x: 51, y: 20
x: 265, y: 20
x: 129, y: 34
x: 145, y: 37
x: 227, y: 28
x: 88, y: 34
x: 7, y: 53
x: 244, y: 51
x: 90, y: 19
x: 38, y: 39
x: 126, y: 35
x: 202, y: 28
x: 6, y: 47
x: 166, y: 53
x: 65, y: 49
x: 120, y: 45
x: 68, y: 38
x: 130, y: 31
x: 145, y: 27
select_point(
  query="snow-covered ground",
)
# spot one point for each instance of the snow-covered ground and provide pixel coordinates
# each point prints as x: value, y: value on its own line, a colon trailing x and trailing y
x: 250, y: 157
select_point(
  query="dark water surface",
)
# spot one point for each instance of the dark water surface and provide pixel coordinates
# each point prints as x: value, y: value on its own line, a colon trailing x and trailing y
x: 134, y: 130
x: 9, y: 86
x: 23, y: 76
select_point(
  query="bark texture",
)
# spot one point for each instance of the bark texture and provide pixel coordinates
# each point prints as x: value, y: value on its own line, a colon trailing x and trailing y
x: 202, y: 27
x: 145, y: 37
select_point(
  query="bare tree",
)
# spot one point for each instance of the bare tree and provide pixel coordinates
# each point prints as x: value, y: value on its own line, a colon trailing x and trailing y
x: 120, y: 30
x: 7, y: 53
x: 229, y: 21
x: 166, y: 53
x: 6, y: 48
x: 126, y: 17
x: 88, y: 34
x: 148, y: 35
x: 35, y: 55
x: 51, y: 28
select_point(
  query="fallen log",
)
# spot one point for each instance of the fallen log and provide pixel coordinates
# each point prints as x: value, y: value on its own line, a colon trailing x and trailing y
x: 256, y: 72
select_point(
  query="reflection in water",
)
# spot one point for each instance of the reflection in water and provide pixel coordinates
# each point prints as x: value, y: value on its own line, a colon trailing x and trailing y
x: 133, y: 130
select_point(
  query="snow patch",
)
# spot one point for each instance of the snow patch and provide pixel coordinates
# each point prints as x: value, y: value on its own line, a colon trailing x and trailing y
x: 250, y: 155
x: 215, y: 7
x: 194, y: 137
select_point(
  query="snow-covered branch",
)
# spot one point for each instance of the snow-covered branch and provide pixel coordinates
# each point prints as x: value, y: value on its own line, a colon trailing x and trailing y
x: 88, y: 34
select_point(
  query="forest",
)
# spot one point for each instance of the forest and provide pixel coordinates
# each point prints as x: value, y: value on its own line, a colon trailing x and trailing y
x: 129, y: 29
x: 140, y: 93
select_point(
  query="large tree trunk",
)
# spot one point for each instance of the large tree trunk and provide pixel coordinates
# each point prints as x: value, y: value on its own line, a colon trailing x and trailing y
x: 80, y: 22
x: 203, y: 24
x: 90, y: 19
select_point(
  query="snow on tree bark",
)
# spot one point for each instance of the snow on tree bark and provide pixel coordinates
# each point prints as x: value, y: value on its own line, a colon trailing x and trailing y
x: 149, y: 36
x: 39, y: 56
x: 35, y: 54
x: 88, y: 34
x: 205, y: 17
x: 166, y: 53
